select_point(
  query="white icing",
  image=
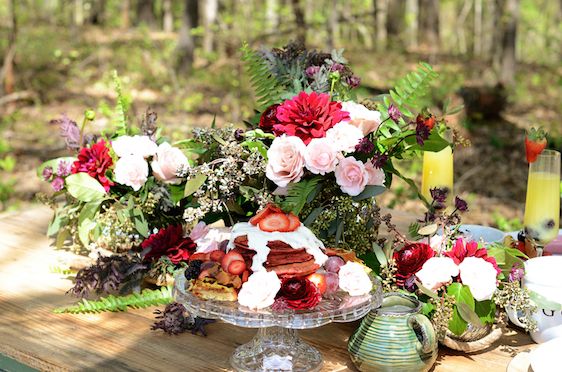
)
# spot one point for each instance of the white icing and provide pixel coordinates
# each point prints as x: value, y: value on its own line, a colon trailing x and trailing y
x: 257, y: 241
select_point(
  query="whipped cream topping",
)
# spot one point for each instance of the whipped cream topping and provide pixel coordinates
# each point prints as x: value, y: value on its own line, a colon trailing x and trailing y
x: 257, y: 241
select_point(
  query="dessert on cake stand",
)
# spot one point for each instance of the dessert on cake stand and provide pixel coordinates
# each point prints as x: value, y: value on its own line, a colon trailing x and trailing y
x: 277, y: 346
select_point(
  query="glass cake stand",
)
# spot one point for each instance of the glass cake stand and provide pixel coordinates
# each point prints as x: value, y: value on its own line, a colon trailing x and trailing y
x: 277, y: 346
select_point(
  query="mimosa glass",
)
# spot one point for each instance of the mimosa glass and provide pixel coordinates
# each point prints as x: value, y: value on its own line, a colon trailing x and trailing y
x: 542, y: 206
x: 438, y: 172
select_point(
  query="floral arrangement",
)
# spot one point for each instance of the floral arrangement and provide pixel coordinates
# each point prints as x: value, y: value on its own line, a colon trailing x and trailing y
x: 460, y: 281
x: 312, y: 149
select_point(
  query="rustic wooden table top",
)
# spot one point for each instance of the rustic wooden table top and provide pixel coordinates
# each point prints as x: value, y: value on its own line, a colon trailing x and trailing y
x: 31, y: 334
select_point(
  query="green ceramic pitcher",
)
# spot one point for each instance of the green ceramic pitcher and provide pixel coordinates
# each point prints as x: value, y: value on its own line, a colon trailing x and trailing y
x: 394, y: 337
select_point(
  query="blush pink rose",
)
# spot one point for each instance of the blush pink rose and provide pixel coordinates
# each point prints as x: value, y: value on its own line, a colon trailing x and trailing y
x: 344, y: 136
x: 131, y: 171
x: 361, y: 117
x: 376, y: 175
x: 166, y: 163
x: 285, y: 160
x: 321, y: 157
x: 351, y: 176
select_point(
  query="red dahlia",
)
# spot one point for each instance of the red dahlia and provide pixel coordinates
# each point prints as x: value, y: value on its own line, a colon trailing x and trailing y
x: 299, y: 294
x: 308, y: 116
x: 410, y: 259
x: 95, y: 161
x: 169, y: 242
x: 460, y: 251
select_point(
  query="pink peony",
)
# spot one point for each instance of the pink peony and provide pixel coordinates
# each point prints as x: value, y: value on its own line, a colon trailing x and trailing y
x: 166, y: 163
x: 285, y: 160
x: 308, y: 116
x: 376, y: 175
x: 351, y: 176
x: 320, y: 156
x: 361, y: 117
x: 344, y: 137
x: 131, y: 171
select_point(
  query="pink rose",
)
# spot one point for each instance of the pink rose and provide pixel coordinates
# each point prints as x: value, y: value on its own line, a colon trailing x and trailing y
x: 344, y: 136
x: 376, y: 175
x: 321, y: 157
x: 285, y: 160
x: 166, y: 163
x: 361, y: 117
x: 351, y: 176
x: 131, y: 170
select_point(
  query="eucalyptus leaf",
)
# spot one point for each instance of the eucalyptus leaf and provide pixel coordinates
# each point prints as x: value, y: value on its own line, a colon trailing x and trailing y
x: 381, y: 257
x: 194, y: 184
x: 370, y: 191
x: 84, y: 188
x: 428, y: 230
x: 313, y: 216
x: 468, y: 314
x: 426, y: 291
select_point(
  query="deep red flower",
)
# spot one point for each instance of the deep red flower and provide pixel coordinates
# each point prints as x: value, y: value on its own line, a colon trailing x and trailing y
x: 95, y: 161
x: 169, y: 242
x: 308, y: 116
x: 460, y: 251
x: 268, y: 118
x: 299, y: 294
x: 410, y: 259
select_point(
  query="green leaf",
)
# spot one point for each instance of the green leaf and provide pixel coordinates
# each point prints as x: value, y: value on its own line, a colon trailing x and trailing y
x: 141, y: 225
x: 84, y: 230
x: 426, y: 291
x: 433, y: 144
x: 191, y: 146
x: 468, y: 314
x: 256, y: 145
x: 55, y: 224
x: 84, y: 188
x: 298, y: 194
x: 379, y: 254
x: 176, y: 193
x: 457, y: 325
x: 461, y: 293
x: 370, y: 192
x: 194, y: 184
x: 428, y: 230
x: 54, y: 163
x: 313, y: 216
x: 486, y: 311
x: 89, y: 210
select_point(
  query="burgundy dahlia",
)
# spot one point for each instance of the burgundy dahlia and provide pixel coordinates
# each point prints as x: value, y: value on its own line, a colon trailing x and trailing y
x: 410, y: 259
x: 169, y: 242
x: 95, y: 161
x: 268, y: 118
x: 299, y: 294
x: 308, y: 116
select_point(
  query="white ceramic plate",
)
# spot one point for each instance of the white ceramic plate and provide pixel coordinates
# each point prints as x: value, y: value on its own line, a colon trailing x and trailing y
x: 485, y: 233
x: 547, y: 357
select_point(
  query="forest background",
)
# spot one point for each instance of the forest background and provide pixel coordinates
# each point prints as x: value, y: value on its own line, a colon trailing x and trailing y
x: 502, y: 59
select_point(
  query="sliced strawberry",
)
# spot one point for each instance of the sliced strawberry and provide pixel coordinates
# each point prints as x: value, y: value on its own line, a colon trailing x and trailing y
x: 535, y: 143
x: 229, y: 257
x: 216, y: 255
x: 275, y: 222
x: 260, y: 215
x: 245, y: 276
x: 199, y: 256
x: 236, y: 267
x: 294, y: 222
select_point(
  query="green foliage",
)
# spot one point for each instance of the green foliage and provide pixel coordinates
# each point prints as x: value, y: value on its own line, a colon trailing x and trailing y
x: 55, y: 269
x: 84, y: 187
x: 266, y: 87
x: 146, y: 298
x: 299, y: 194
x: 506, y: 224
x: 120, y: 108
x: 462, y: 294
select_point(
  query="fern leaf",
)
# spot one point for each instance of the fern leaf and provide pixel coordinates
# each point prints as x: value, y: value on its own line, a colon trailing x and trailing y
x: 266, y: 87
x: 146, y: 298
x: 301, y: 193
x: 120, y: 108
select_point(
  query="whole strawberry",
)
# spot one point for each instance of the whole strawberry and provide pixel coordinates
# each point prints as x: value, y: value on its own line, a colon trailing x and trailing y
x: 535, y: 142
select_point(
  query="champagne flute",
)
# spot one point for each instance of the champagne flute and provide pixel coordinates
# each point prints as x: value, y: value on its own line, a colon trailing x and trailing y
x: 438, y: 172
x: 542, y: 205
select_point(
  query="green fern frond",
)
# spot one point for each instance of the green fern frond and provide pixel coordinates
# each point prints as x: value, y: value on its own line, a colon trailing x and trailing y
x: 120, y: 108
x: 409, y: 89
x: 146, y: 298
x: 301, y: 193
x: 267, y: 89
x: 55, y: 269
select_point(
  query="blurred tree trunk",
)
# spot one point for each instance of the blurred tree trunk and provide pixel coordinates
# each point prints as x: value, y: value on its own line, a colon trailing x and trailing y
x: 299, y: 21
x: 8, y: 72
x: 211, y: 9
x: 271, y: 15
x: 509, y: 42
x: 489, y: 30
x: 429, y: 24
x: 186, y: 42
x: 395, y: 21
x: 168, y: 16
x: 78, y: 12
x: 412, y: 16
x: 380, y: 8
x: 126, y: 14
x: 145, y: 13
x: 333, y: 26
x: 478, y: 37
x: 97, y: 13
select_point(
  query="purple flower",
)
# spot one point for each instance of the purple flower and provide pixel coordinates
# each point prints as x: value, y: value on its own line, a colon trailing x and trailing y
x: 57, y: 184
x: 69, y: 131
x: 64, y: 168
x: 516, y: 273
x: 439, y: 194
x: 47, y: 173
x: 337, y: 67
x: 379, y: 160
x: 353, y: 81
x: 394, y: 113
x: 461, y: 204
x: 422, y: 133
x: 365, y: 146
x: 311, y: 71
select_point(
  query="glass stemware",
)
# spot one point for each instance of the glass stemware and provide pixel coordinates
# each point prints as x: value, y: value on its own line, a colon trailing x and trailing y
x: 542, y: 205
x: 438, y: 172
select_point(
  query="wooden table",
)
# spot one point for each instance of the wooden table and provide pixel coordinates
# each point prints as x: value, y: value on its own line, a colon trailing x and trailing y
x: 31, y: 334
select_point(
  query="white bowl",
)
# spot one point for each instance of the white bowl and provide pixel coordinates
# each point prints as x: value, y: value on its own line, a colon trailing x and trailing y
x: 484, y: 233
x: 547, y: 356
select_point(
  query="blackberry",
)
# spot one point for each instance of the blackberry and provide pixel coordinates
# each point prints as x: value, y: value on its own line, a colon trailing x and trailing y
x: 193, y: 270
x: 521, y: 236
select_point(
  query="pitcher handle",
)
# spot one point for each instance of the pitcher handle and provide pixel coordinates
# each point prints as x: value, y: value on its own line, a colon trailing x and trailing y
x: 514, y: 317
x: 428, y: 339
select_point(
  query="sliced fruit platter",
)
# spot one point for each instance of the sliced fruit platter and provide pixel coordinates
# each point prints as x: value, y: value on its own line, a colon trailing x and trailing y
x: 275, y: 264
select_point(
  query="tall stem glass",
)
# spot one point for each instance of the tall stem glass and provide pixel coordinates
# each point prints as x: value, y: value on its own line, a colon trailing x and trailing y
x: 542, y: 205
x: 437, y: 172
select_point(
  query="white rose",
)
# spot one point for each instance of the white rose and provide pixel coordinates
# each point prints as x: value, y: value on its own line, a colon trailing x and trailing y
x: 131, y: 171
x: 436, y: 272
x: 134, y: 146
x: 361, y: 117
x: 166, y: 163
x: 321, y: 157
x: 260, y: 290
x: 344, y: 136
x: 285, y: 160
x: 480, y: 276
x: 354, y: 279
